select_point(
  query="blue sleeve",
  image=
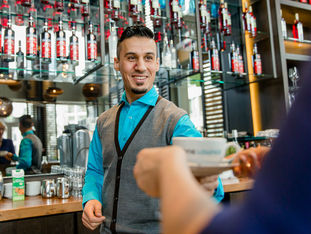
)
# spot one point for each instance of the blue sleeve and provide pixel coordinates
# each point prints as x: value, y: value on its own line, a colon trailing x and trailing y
x: 94, y: 176
x: 185, y: 128
x: 25, y: 154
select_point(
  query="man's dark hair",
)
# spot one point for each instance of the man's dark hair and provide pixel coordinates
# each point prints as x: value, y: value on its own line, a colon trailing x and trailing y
x: 134, y: 31
x: 26, y: 121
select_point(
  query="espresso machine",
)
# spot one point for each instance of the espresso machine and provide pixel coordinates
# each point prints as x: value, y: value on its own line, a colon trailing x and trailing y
x: 73, y: 146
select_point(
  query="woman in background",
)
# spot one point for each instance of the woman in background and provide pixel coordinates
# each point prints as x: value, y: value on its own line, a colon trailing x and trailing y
x: 5, y: 145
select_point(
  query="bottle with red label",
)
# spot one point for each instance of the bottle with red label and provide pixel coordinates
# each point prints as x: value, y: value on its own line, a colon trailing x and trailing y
x: 214, y: 57
x: 228, y: 30
x: 85, y: 10
x: 91, y: 44
x: 246, y: 19
x: 231, y: 57
x: 155, y: 13
x: 257, y: 61
x: 31, y: 40
x: 26, y: 3
x: 61, y: 43
x: 203, y: 13
x: 222, y: 15
x: 74, y: 46
x: 253, y: 23
x: 240, y: 60
x: 298, y: 29
x: 46, y: 46
x: 133, y: 8
x: 9, y: 42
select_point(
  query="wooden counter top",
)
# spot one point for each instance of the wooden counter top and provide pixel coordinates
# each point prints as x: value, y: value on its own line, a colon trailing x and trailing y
x: 37, y: 206
x: 243, y: 185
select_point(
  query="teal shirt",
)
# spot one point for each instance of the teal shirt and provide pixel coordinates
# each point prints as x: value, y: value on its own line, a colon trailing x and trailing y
x: 129, y: 117
x: 25, y: 153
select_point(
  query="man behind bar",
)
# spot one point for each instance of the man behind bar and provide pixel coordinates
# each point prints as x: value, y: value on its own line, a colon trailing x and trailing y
x: 142, y: 119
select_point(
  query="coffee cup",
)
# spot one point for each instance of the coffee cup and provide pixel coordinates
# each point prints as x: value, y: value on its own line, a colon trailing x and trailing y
x: 203, y: 151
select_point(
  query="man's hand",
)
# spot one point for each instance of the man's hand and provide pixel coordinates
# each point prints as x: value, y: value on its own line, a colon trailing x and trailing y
x: 249, y: 161
x: 8, y: 156
x: 209, y: 183
x: 92, y: 214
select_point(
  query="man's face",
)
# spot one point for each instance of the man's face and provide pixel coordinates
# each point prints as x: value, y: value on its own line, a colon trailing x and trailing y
x: 138, y: 65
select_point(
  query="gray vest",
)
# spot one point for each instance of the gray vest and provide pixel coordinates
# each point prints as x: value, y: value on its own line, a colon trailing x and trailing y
x: 128, y: 209
x: 36, y: 150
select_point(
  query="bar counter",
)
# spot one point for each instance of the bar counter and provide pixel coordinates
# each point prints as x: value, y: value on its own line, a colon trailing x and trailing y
x: 37, y: 206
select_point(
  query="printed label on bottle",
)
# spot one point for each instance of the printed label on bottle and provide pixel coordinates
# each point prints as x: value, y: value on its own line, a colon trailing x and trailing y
x: 203, y: 11
x: 215, y: 63
x: 60, y: 47
x: 233, y: 64
x: 134, y: 2
x: 91, y: 50
x: 175, y: 7
x: 257, y: 66
x: 116, y: 4
x: 74, y: 51
x: 31, y: 45
x: 9, y: 46
x: 241, y: 66
x: 155, y: 4
x: 46, y: 51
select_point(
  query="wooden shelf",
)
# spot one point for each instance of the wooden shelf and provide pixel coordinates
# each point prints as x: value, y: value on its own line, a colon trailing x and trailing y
x: 299, y: 5
x: 298, y: 57
x: 37, y: 206
x: 299, y: 48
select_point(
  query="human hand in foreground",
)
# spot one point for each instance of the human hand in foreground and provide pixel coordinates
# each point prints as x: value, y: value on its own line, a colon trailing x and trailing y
x: 250, y: 161
x: 8, y: 156
x: 147, y: 170
x: 92, y: 214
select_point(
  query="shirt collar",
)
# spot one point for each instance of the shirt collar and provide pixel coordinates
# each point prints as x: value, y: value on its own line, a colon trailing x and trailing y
x: 28, y: 132
x: 150, y: 98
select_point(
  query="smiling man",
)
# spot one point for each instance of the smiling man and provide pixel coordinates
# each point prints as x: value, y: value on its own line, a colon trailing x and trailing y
x: 142, y: 119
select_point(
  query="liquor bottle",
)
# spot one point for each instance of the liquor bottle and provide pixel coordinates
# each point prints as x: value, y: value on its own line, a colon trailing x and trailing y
x: 203, y: 13
x: 9, y: 42
x: 46, y: 48
x: 139, y: 18
x: 59, y: 5
x: 194, y: 59
x: 214, y: 57
x: 257, y: 61
x: 155, y: 13
x: 246, y: 18
x: 133, y: 8
x: 173, y: 55
x: 91, y: 43
x: 297, y: 29
x: 253, y: 23
x: 74, y: 46
x: 222, y: 17
x: 115, y: 14
x: 26, y: 3
x: 228, y: 30
x: 174, y: 8
x: 31, y: 40
x: 112, y: 41
x: 231, y: 57
x: 20, y: 60
x: 283, y: 26
x: 304, y: 1
x: 61, y: 43
x: 240, y: 60
x: 166, y: 53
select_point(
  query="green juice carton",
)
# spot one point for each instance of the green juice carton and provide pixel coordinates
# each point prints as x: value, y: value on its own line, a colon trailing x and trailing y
x: 18, y: 185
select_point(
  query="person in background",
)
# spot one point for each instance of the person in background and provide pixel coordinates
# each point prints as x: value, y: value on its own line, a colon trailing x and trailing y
x: 6, y: 145
x: 30, y: 149
x: 279, y: 202
x: 142, y: 119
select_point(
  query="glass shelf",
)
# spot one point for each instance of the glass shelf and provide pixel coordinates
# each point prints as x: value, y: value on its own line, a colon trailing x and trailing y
x: 297, y: 49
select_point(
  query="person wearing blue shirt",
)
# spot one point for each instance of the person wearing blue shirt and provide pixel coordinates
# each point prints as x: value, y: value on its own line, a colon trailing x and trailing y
x: 30, y: 149
x: 6, y: 145
x: 142, y: 119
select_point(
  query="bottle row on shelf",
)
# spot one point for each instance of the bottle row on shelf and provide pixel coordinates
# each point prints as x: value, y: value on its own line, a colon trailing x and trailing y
x: 304, y: 1
x: 297, y: 29
x: 39, y: 45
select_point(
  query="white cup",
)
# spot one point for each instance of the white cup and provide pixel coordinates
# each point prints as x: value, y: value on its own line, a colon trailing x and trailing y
x: 33, y: 188
x: 8, y: 190
x: 203, y: 151
x: 3, y: 153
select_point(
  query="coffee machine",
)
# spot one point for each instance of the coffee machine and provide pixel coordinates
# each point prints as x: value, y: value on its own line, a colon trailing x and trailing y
x: 73, y: 146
